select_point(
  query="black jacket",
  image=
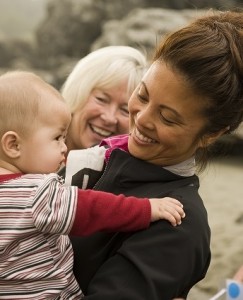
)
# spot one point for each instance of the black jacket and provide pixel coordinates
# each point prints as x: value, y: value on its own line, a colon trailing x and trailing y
x: 158, y: 263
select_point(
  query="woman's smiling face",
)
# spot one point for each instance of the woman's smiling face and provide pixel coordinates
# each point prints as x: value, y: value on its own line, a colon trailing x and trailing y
x: 165, y: 118
x: 104, y: 114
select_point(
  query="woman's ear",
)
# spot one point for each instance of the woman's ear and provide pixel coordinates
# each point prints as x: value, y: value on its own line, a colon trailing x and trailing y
x: 211, y: 138
x: 10, y: 144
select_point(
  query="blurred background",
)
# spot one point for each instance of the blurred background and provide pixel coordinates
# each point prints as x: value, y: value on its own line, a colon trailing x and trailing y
x: 49, y: 36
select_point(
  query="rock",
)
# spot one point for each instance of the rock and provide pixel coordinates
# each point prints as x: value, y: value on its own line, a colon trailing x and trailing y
x: 143, y: 28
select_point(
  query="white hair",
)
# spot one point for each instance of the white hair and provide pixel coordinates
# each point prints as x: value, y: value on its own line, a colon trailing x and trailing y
x: 103, y: 68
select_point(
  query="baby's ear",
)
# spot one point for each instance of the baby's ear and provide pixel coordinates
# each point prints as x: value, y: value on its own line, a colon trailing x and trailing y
x: 10, y: 144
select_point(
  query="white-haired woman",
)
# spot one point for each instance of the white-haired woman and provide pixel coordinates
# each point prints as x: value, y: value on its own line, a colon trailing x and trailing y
x: 97, y: 91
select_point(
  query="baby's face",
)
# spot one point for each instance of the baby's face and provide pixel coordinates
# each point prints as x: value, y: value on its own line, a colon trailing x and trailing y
x: 43, y: 151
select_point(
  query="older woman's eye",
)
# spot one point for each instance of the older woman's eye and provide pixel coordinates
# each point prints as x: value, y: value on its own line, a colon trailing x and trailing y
x: 125, y: 110
x: 101, y: 99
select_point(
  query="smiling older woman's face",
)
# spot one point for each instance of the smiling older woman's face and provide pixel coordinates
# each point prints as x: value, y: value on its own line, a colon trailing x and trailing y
x: 104, y: 114
x: 165, y: 118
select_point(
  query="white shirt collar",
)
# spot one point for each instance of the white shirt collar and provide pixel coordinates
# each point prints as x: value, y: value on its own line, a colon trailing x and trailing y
x: 185, y: 168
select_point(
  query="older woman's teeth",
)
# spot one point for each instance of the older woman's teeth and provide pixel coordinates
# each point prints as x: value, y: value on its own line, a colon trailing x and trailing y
x: 143, y: 138
x: 100, y: 131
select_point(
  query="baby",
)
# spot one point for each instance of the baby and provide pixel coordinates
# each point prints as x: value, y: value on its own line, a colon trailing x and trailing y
x: 37, y: 211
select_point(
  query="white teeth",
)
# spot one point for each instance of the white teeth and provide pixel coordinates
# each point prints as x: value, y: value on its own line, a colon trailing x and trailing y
x: 143, y: 138
x: 100, y: 131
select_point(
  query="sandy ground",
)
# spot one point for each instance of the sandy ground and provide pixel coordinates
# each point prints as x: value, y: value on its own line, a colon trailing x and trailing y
x: 222, y: 191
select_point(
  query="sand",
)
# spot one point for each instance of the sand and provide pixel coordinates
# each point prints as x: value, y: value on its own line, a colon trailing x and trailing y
x: 222, y: 191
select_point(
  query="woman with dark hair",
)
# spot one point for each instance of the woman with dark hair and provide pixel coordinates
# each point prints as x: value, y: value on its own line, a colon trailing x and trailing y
x: 191, y: 95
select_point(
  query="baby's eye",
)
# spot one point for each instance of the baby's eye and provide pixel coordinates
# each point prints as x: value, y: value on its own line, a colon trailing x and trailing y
x: 59, y: 137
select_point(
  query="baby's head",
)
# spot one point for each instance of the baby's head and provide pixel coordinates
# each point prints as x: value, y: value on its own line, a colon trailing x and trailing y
x: 33, y: 124
x: 24, y: 97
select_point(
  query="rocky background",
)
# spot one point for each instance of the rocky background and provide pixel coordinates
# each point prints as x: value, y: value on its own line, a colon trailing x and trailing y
x: 63, y: 31
x: 53, y: 35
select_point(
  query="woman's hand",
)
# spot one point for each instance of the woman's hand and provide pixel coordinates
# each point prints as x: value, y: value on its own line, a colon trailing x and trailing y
x: 168, y: 209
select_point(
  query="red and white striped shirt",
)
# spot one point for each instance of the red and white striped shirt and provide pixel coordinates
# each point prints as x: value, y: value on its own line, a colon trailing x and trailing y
x: 37, y: 212
x: 36, y: 260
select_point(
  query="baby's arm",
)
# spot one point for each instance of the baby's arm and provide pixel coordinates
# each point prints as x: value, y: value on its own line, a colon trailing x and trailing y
x: 167, y: 208
x: 99, y: 211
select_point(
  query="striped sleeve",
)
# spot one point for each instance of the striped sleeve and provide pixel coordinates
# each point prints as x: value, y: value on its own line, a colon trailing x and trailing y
x: 54, y: 206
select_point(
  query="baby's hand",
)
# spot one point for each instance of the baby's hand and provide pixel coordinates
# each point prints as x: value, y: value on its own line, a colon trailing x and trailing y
x: 167, y: 208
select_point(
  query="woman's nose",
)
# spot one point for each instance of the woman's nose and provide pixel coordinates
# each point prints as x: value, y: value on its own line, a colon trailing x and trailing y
x: 145, y: 118
x: 109, y: 117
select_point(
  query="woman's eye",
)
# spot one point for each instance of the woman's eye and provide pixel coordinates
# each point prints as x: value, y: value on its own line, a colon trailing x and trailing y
x: 100, y: 99
x: 125, y: 110
x: 142, y: 97
x: 167, y: 121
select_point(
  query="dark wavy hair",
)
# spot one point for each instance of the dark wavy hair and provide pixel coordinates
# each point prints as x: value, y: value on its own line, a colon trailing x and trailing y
x: 208, y: 53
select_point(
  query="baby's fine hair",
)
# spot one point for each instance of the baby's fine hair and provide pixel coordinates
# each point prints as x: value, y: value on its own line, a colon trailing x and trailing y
x: 20, y: 98
x: 103, y: 68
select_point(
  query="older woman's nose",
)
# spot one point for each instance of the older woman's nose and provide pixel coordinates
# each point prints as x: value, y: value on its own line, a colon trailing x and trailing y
x: 109, y: 117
